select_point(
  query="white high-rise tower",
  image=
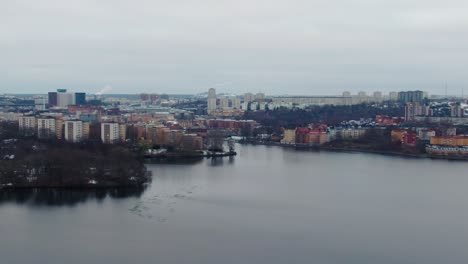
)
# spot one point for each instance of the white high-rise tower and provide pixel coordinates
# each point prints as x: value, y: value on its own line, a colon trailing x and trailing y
x: 211, y: 100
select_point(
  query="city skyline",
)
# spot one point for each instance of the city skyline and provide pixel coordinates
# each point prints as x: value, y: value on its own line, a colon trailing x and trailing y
x: 279, y: 47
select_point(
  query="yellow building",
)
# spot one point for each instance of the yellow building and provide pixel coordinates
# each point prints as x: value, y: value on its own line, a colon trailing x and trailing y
x: 289, y: 136
x: 86, y: 128
x: 123, y: 132
x: 59, y: 128
x: 455, y: 141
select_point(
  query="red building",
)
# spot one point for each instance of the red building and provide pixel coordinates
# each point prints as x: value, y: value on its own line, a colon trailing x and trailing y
x: 301, y: 135
x: 409, y: 140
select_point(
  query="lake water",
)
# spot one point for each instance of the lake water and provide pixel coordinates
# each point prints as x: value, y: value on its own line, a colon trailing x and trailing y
x: 267, y: 205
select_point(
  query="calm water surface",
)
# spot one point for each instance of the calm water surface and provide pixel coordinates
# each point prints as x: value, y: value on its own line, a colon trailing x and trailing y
x: 267, y: 205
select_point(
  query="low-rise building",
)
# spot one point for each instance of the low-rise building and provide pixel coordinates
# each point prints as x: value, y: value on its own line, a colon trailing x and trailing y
x: 454, y: 141
x: 289, y: 136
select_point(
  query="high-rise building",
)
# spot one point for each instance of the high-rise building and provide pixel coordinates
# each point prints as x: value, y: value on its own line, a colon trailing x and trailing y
x: 27, y: 124
x: 40, y: 104
x: 65, y: 99
x: 248, y: 97
x: 411, y: 96
x: 80, y: 98
x: 73, y: 131
x: 414, y: 109
x: 53, y: 99
x: 211, y: 100
x: 393, y: 96
x: 224, y: 103
x: 260, y: 97
x: 362, y: 94
x: 346, y: 94
x: 377, y: 96
x: 59, y: 128
x: 236, y: 103
x: 86, y: 130
x: 62, y: 98
x: 46, y: 127
x: 110, y: 132
x: 123, y: 132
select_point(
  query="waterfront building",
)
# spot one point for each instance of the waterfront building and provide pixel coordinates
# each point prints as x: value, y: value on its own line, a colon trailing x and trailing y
x: 425, y: 133
x: 316, y: 137
x: 454, y: 141
x: 289, y: 136
x: 351, y: 133
x: 409, y: 139
x: 397, y: 135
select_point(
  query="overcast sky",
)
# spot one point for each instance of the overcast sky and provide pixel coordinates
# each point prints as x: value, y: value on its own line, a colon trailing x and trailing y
x: 272, y: 46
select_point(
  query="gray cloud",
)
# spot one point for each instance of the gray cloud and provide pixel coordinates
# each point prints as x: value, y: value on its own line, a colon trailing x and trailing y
x: 181, y: 46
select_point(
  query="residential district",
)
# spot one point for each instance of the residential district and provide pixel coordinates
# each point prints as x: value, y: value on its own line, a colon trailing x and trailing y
x: 406, y: 122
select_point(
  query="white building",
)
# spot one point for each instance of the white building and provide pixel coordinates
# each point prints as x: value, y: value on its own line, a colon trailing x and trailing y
x: 40, y: 104
x: 393, y: 96
x: 73, y: 131
x: 65, y: 99
x: 9, y: 116
x: 27, y: 124
x: 46, y: 127
x: 260, y: 96
x: 211, y: 100
x: 110, y: 132
x: 244, y: 106
x: 224, y: 103
x: 248, y: 97
x: 236, y: 103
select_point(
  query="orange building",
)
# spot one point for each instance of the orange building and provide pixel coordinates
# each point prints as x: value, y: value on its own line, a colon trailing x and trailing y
x: 397, y: 135
x: 455, y: 141
x: 316, y: 137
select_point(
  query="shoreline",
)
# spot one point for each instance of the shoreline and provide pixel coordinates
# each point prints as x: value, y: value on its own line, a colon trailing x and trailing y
x: 357, y: 150
x: 199, y: 155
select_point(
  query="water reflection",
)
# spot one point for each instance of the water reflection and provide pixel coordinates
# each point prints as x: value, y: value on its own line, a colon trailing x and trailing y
x: 65, y: 197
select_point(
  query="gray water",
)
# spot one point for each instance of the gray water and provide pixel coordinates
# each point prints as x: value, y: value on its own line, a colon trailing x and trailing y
x: 267, y: 205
